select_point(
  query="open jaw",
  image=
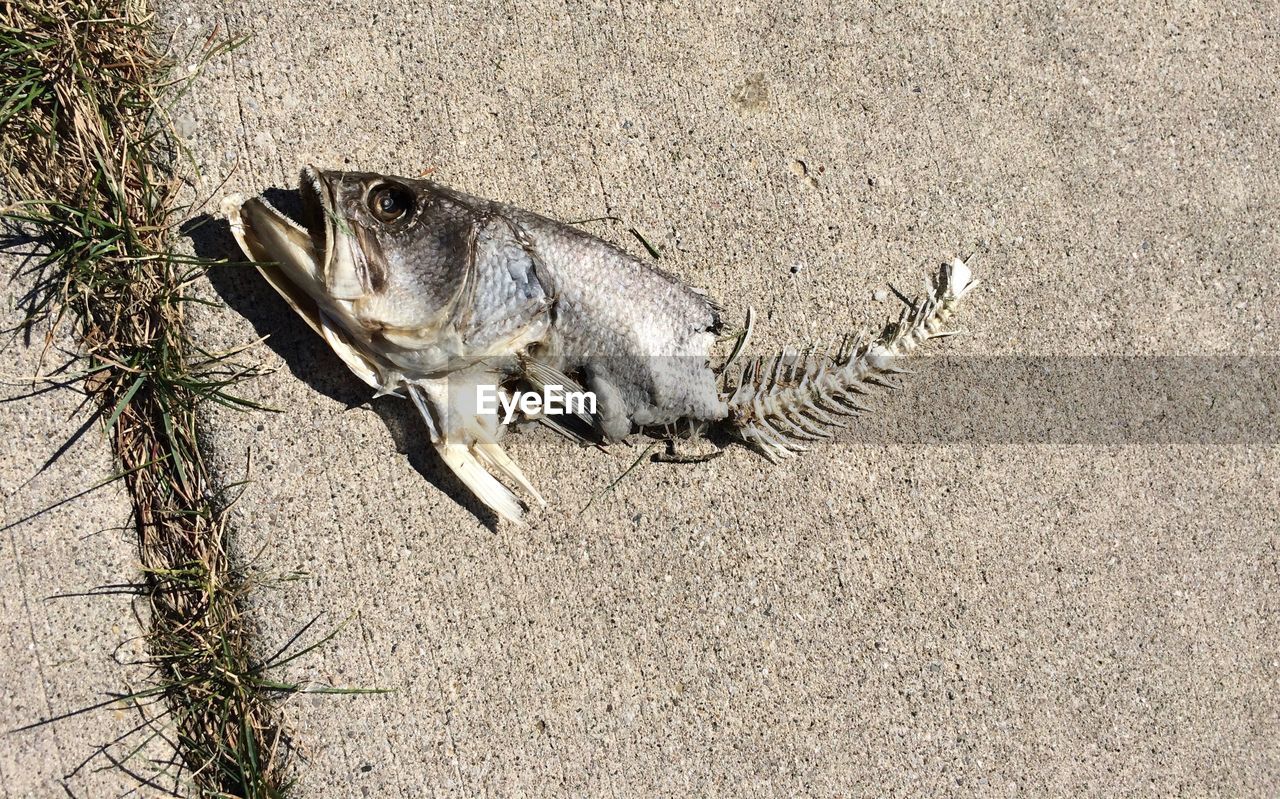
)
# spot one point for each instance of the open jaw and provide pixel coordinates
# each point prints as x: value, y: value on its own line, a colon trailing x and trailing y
x: 291, y: 254
x: 296, y: 258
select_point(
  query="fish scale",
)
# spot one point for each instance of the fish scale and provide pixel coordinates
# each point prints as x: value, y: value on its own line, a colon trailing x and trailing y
x: 636, y: 329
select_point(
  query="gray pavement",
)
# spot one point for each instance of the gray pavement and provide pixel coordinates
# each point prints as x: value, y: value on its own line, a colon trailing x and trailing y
x: 65, y: 530
x: 1091, y: 618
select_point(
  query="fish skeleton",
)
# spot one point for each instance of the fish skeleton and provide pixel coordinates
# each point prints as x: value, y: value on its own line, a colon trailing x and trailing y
x: 435, y: 295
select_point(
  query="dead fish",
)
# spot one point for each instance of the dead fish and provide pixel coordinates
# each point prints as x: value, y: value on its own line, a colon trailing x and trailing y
x: 438, y: 296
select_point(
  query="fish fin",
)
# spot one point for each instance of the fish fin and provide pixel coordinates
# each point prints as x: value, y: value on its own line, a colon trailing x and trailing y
x: 780, y: 402
x: 486, y: 488
x: 495, y: 458
x: 542, y: 374
x: 420, y: 398
x: 568, y: 431
x: 468, y: 445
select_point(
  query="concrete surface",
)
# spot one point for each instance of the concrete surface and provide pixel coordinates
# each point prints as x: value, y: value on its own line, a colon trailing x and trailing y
x: 63, y: 651
x: 879, y: 617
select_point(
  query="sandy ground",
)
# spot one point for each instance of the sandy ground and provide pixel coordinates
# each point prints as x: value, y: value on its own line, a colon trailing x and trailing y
x: 63, y: 533
x: 995, y: 615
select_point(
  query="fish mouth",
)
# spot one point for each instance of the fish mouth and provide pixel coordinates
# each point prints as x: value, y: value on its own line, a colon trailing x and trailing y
x: 306, y: 263
x: 295, y: 250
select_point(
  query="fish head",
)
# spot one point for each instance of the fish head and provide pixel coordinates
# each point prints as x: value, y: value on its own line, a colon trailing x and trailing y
x: 401, y: 249
x: 386, y: 270
x: 381, y: 260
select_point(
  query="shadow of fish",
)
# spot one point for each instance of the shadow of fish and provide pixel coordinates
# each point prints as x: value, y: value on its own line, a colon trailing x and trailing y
x: 457, y: 302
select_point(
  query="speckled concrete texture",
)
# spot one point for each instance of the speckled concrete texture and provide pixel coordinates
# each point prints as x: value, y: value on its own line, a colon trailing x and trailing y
x: 69, y: 632
x: 879, y: 617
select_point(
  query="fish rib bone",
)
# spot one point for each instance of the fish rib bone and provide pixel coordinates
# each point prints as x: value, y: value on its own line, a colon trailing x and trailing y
x: 775, y: 406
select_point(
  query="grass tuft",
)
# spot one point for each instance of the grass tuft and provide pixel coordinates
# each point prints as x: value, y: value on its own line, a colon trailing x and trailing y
x: 86, y: 157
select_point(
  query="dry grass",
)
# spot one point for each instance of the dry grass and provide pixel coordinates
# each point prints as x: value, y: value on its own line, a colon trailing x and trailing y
x: 85, y: 146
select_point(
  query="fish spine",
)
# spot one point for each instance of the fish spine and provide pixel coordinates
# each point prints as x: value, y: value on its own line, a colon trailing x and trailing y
x: 776, y: 404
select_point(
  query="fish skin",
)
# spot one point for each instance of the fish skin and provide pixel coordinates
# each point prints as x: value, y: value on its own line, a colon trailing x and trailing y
x: 640, y: 338
x: 634, y: 331
x: 427, y: 292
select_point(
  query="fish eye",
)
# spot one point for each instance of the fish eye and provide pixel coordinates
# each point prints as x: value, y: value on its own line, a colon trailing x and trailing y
x: 390, y: 202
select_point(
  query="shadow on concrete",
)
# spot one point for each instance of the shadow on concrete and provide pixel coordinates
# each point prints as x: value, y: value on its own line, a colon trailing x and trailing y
x: 240, y: 286
x: 36, y: 281
x: 309, y: 358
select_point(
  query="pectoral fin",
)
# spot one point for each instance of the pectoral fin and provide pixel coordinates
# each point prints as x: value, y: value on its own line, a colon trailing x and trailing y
x: 541, y: 375
x: 468, y: 444
x: 487, y: 489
